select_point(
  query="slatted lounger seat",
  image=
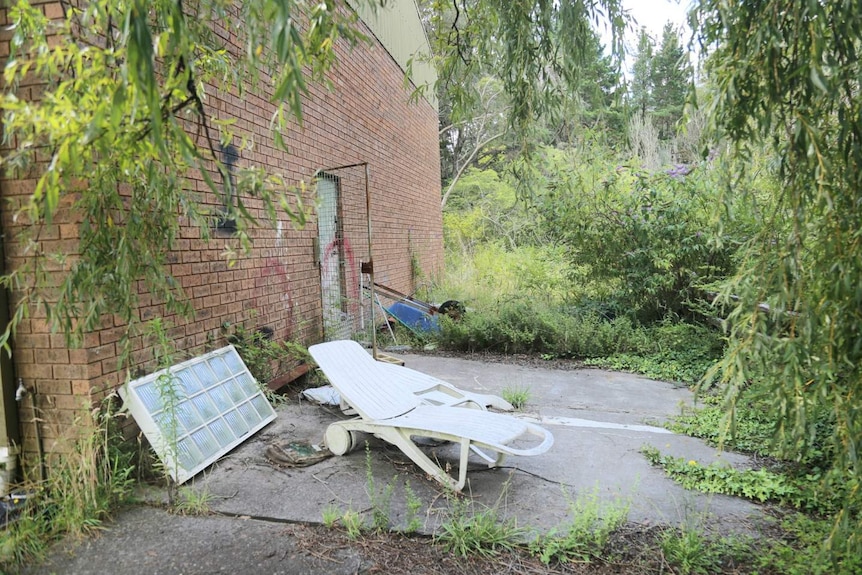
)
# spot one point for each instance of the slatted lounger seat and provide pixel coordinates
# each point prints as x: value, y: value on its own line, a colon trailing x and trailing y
x: 390, y: 411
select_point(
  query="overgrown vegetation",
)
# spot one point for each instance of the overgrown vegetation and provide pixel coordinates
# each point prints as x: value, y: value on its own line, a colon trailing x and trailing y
x: 79, y: 492
x: 656, y: 257
x: 467, y: 531
x: 266, y: 357
x: 380, y: 498
x: 99, y: 467
x: 518, y: 396
x: 585, y: 537
x: 635, y: 240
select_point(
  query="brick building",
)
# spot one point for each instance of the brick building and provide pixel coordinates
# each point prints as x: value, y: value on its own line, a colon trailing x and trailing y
x: 302, y: 284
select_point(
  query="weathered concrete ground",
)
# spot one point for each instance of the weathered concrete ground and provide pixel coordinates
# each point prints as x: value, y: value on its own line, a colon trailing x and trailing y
x: 600, y: 421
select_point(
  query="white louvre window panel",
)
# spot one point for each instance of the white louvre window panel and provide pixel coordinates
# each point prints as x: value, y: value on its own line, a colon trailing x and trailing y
x: 195, y: 412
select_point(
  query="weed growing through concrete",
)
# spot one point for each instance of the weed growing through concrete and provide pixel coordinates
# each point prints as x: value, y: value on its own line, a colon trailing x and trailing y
x: 353, y: 523
x: 79, y: 491
x: 483, y: 533
x: 168, y: 392
x: 414, y: 504
x: 381, y: 499
x: 586, y: 536
x: 688, y: 551
x: 331, y: 515
x: 191, y: 501
x: 518, y: 396
x: 467, y: 531
x: 167, y: 387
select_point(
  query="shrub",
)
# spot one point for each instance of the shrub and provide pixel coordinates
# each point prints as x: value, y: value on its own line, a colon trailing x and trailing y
x: 648, y: 236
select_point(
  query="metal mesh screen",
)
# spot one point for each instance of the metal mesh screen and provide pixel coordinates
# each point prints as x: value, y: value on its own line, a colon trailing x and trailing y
x: 342, y: 221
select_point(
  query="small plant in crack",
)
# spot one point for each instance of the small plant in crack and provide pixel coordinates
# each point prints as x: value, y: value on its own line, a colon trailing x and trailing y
x: 518, y: 396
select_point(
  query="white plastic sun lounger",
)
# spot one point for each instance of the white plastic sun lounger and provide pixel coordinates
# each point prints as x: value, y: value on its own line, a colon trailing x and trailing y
x: 396, y: 415
x: 438, y: 392
x: 430, y: 390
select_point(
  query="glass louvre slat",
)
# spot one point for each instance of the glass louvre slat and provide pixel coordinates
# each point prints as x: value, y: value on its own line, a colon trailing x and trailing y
x: 221, y: 432
x: 249, y: 413
x: 234, y: 390
x: 169, y: 425
x: 188, y: 453
x: 221, y: 399
x: 205, y: 441
x: 189, y: 382
x: 149, y: 395
x: 248, y: 384
x: 261, y: 404
x: 203, y: 372
x: 188, y: 416
x: 220, y: 367
x: 233, y: 363
x: 236, y: 422
x: 205, y: 407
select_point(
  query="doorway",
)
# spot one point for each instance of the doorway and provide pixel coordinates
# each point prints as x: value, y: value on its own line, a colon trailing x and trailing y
x: 333, y: 284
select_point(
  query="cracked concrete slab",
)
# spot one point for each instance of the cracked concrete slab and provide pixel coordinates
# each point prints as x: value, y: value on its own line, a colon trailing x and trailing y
x: 600, y: 420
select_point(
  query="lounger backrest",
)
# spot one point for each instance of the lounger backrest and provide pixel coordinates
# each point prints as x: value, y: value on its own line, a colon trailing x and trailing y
x: 363, y: 383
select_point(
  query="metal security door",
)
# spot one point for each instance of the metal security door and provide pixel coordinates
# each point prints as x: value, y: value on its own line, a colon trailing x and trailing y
x: 330, y: 229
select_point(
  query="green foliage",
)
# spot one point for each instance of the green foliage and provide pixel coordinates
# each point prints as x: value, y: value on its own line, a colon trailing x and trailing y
x: 353, y: 523
x: 381, y: 499
x: 524, y: 326
x: 491, y: 272
x: 192, y: 501
x: 24, y: 541
x: 802, y: 551
x: 517, y: 396
x: 641, y: 84
x: 805, y: 262
x: 169, y: 391
x: 753, y: 431
x: 689, y: 552
x: 467, y: 531
x: 538, y: 50
x: 80, y: 490
x: 122, y: 118
x: 414, y: 506
x: 482, y: 207
x: 586, y: 536
x: 265, y: 357
x: 802, y: 492
x: 331, y: 514
x: 667, y: 351
x: 677, y: 352
x: 648, y: 234
x: 665, y: 367
x: 670, y: 81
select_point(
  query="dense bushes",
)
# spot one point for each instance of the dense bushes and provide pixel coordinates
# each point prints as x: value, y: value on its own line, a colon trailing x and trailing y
x: 528, y: 326
x: 649, y: 237
x: 671, y: 351
x: 603, y: 262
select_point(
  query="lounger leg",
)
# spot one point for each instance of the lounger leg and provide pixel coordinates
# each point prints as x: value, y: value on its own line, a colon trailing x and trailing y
x: 411, y: 450
x: 462, y: 465
x: 492, y: 460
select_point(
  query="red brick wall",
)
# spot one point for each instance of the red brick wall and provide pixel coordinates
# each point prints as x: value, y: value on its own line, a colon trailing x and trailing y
x: 366, y: 119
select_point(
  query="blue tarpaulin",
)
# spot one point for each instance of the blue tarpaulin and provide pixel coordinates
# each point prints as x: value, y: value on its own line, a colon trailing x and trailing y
x: 413, y: 319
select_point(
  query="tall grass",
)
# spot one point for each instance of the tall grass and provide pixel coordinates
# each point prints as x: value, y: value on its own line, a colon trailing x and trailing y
x: 87, y: 477
x: 484, y: 275
x: 527, y: 300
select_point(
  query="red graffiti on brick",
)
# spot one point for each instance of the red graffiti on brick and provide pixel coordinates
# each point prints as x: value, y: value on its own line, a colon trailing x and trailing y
x: 331, y: 254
